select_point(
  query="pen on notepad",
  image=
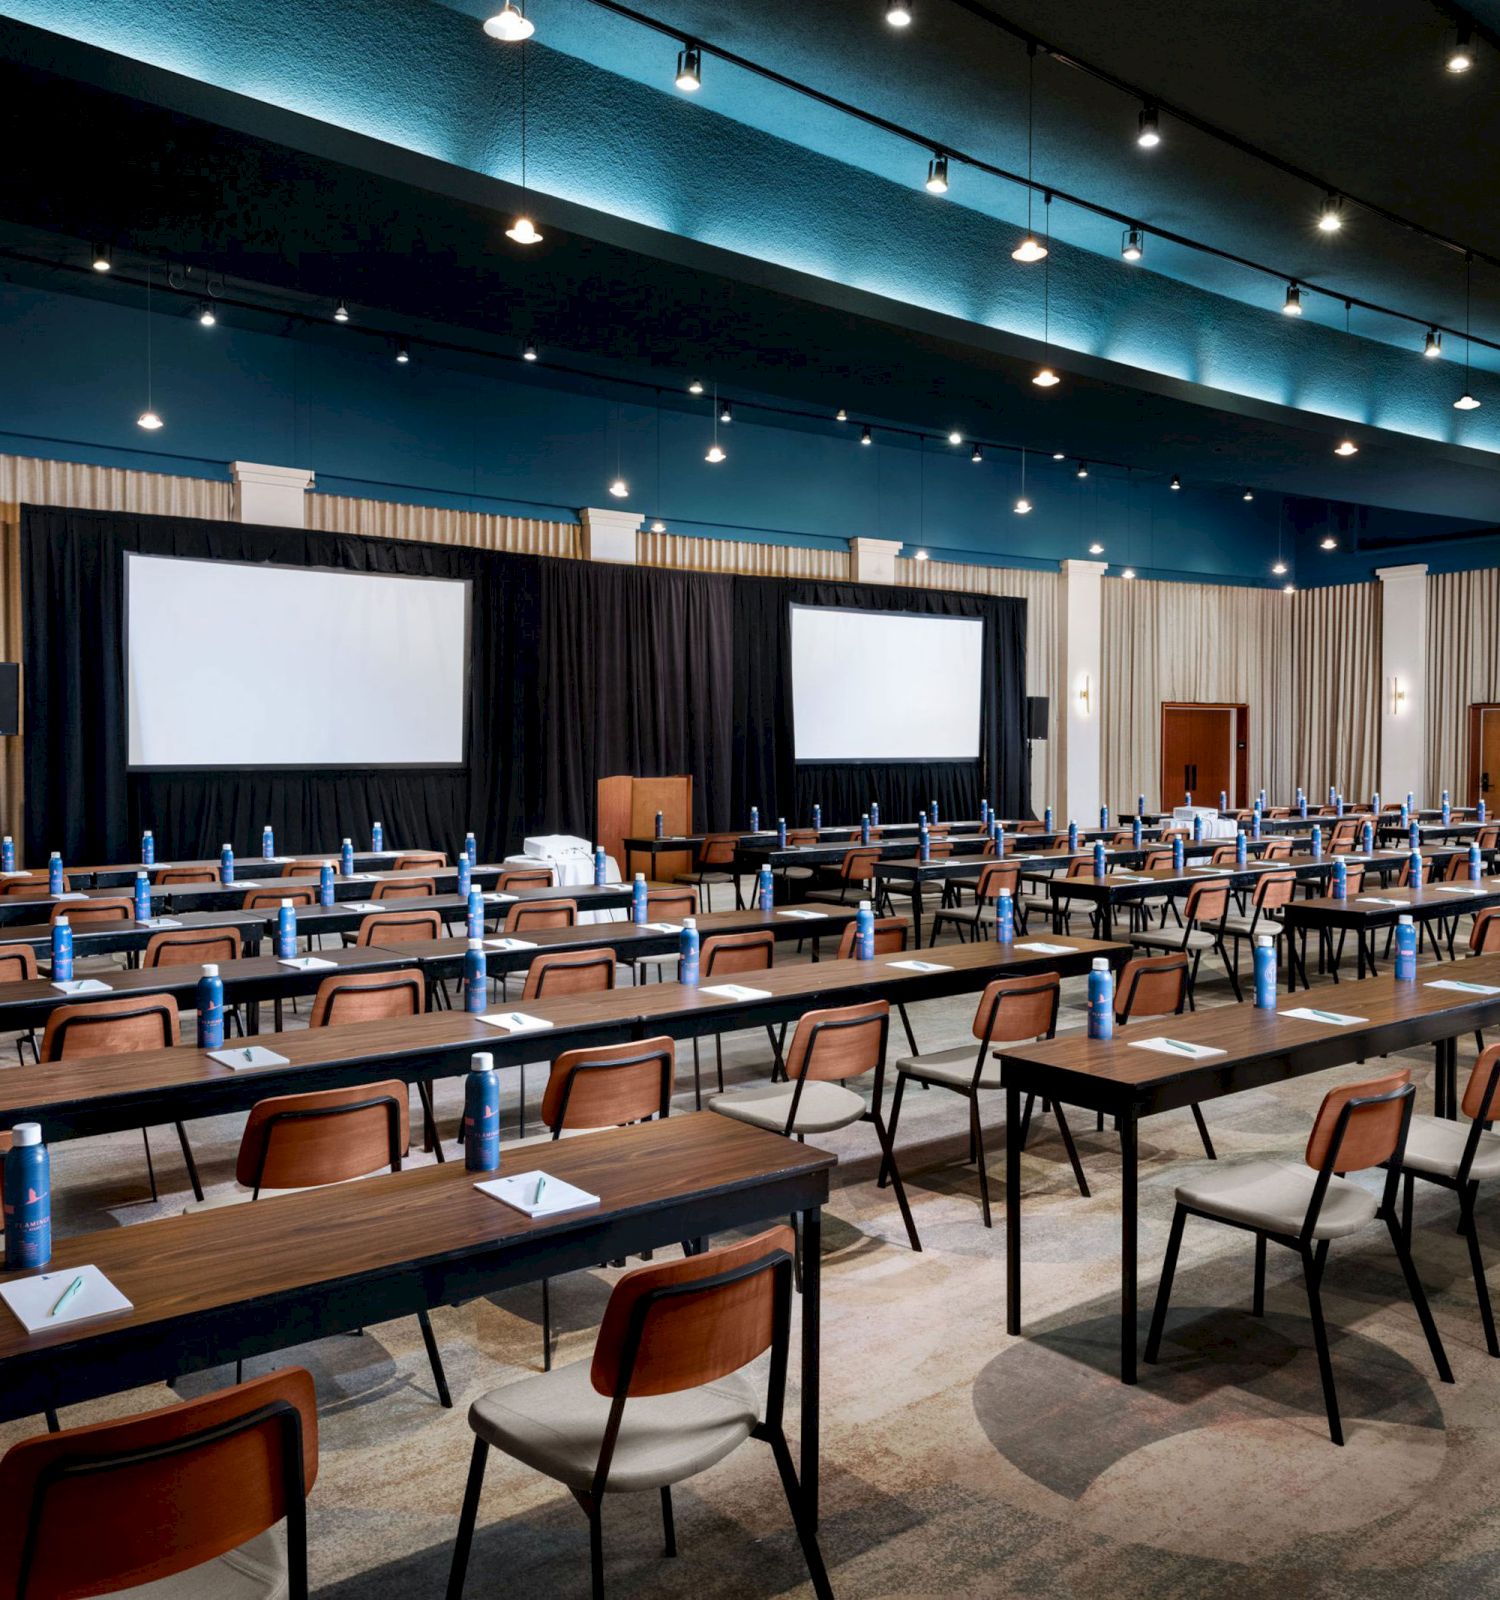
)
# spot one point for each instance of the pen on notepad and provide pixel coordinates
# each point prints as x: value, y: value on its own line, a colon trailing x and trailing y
x: 67, y: 1295
x: 1325, y: 1016
x: 541, y: 1183
x: 1177, y: 1044
x: 249, y: 1055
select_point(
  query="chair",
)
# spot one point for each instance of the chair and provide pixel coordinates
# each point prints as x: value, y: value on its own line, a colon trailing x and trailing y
x: 31, y: 883
x: 98, y: 912
x: 725, y: 955
x: 523, y: 878
x: 664, y: 1397
x: 1459, y: 1156
x: 183, y: 1500
x: 664, y: 905
x: 204, y: 874
x: 1272, y: 891
x: 1276, y: 850
x: 308, y: 867
x: 1009, y: 1010
x: 121, y: 1027
x: 1044, y: 905
x: 1225, y: 855
x: 1306, y: 1207
x: 890, y: 940
x: 856, y: 872
x: 192, y: 947
x: 554, y: 973
x: 993, y: 878
x: 792, y: 878
x: 1157, y: 986
x: 18, y: 965
x: 1343, y: 837
x: 829, y: 1048
x: 368, y: 997
x: 615, y: 1086
x: 382, y: 928
x: 421, y: 861
x: 525, y: 915
x: 715, y: 855
x: 1203, y: 919
x: 270, y: 899
x: 404, y: 889
x: 307, y: 1141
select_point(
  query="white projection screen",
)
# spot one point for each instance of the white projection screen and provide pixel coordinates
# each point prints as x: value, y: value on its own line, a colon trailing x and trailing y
x: 885, y: 685
x: 234, y: 664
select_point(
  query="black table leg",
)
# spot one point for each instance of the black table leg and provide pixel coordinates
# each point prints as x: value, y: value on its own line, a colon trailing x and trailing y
x: 1128, y: 1220
x: 1363, y: 965
x: 1107, y: 916
x: 812, y: 1277
x: 1012, y: 1208
x: 916, y: 912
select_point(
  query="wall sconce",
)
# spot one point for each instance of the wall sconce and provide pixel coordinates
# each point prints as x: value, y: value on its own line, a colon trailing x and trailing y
x: 1398, y: 697
x: 1085, y: 696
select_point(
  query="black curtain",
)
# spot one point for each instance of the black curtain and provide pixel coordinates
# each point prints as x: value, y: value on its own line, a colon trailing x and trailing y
x: 577, y: 671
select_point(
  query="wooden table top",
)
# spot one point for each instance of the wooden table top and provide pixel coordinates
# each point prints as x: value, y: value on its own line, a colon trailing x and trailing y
x: 1432, y: 899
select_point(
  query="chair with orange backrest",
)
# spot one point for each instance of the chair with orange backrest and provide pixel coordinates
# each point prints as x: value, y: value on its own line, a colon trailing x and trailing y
x: 828, y: 1049
x: 664, y: 904
x: 555, y: 973
x: 523, y: 878
x: 1009, y: 1010
x: 856, y: 877
x: 18, y: 965
x: 121, y: 1027
x: 727, y: 955
x: 382, y: 928
x: 270, y: 899
x: 203, y: 874
x: 1343, y: 837
x: 97, y: 912
x: 1306, y: 1206
x: 526, y: 915
x: 404, y: 889
x: 978, y: 918
x: 421, y: 861
x: 181, y: 1502
x: 714, y: 864
x: 614, y: 1086
x: 309, y: 867
x: 344, y: 997
x: 191, y: 947
x: 293, y: 1142
x: 664, y: 1398
x: 1271, y: 892
x: 27, y: 883
x: 1060, y: 908
x: 1157, y: 986
x: 1276, y: 850
x: 1203, y: 929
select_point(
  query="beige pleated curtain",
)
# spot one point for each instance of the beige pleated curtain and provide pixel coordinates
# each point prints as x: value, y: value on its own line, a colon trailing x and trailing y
x: 1463, y: 668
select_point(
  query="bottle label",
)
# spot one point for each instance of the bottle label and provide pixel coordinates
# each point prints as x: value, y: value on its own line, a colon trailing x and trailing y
x: 482, y: 1122
x: 28, y: 1208
x: 1101, y: 1006
x: 1265, y: 977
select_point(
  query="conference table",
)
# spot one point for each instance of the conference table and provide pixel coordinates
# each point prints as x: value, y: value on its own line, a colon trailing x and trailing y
x: 1251, y: 1049
x: 1454, y: 830
x: 669, y: 844
x: 1364, y: 914
x: 234, y: 1282
x: 122, y: 873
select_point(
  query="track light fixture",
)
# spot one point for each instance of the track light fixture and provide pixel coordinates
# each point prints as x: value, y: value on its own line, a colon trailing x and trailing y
x: 205, y: 313
x: 1046, y: 378
x: 898, y: 13
x: 695, y: 387
x: 528, y: 352
x: 1096, y: 549
x: 1249, y: 494
x: 689, y: 69
x: 1176, y: 483
x: 341, y: 312
x: 1328, y: 543
x: 937, y: 174
x: 509, y: 24
x: 1461, y: 53
x: 1331, y: 213
x: 1292, y: 305
x: 1279, y: 567
x: 955, y: 437
x: 976, y: 455
x: 1133, y: 245
x: 619, y: 488
x: 1466, y: 401
x: 524, y: 231
x: 865, y: 436
x: 726, y: 412
x: 1432, y: 346
x: 99, y: 258
x: 1148, y: 128
x: 1082, y: 470
x: 1346, y: 447
x: 841, y: 415
x: 403, y: 355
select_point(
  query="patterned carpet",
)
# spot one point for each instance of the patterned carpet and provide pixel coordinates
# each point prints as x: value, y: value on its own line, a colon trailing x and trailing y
x: 957, y: 1461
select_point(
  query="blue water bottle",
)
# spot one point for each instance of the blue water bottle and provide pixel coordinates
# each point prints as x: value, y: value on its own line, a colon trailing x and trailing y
x: 1072, y: 835
x: 1101, y: 1000
x: 755, y: 819
x: 1481, y: 811
x: 1445, y: 797
x: 1375, y: 802
x: 1338, y: 805
x: 28, y: 1200
x: 1447, y: 810
x: 1047, y: 820
x: 1262, y: 798
x: 864, y: 828
x: 864, y: 932
x: 661, y: 826
x: 1414, y: 837
x: 286, y: 931
x: 1223, y: 801
x: 7, y: 854
x: 476, y: 977
x: 377, y: 838
x: 935, y: 817
x: 1255, y: 824
x: 1103, y: 818
x: 1476, y: 864
x: 1333, y: 789
x: 1005, y: 917
x: 1317, y: 842
x: 54, y: 873
x: 267, y: 842
x: 1265, y: 971
x: 482, y: 1114
x: 1187, y: 798
x: 1137, y: 833
x: 209, y: 1003
x: 148, y: 848
x: 1302, y: 806
x: 1406, y: 950
x: 62, y: 950
x: 465, y: 874
x: 346, y: 858
x: 1340, y: 879
x: 687, y: 951
x: 984, y: 816
x: 1414, y: 870
x: 471, y: 849
x: 142, y: 897
x: 1411, y: 801
x: 601, y: 867
x: 226, y: 863
x: 1241, y: 849
x: 997, y: 833
x: 924, y: 841
x: 1178, y: 854
x: 638, y: 897
x: 325, y: 884
x: 874, y: 813
x: 1197, y: 828
x: 765, y: 889
x: 1100, y: 865
x: 1366, y: 838
x: 1140, y: 805
x: 1405, y: 815
x: 474, y: 915
x: 781, y: 833
x: 817, y: 817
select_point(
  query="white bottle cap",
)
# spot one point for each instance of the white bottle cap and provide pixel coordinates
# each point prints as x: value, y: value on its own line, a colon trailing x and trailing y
x: 1101, y: 964
x: 690, y: 922
x: 226, y: 846
x: 379, y: 824
x: 25, y: 1133
x: 864, y: 905
x: 640, y: 877
x: 62, y: 922
x: 148, y: 833
x: 1267, y: 939
x: 8, y: 839
x: 285, y: 905
x: 141, y: 874
x: 481, y: 1061
x: 211, y: 970
x: 347, y: 841
x: 1405, y: 921
x: 476, y: 944
x: 329, y: 865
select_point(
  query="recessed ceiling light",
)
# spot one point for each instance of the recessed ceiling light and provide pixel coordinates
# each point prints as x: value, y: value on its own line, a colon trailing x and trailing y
x: 523, y: 230
x: 508, y: 25
x: 937, y: 174
x: 1148, y: 128
x: 1046, y: 378
x: 1030, y: 249
x: 689, y: 70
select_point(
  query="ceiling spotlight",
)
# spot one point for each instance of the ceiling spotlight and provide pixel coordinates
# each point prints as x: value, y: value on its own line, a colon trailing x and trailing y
x: 1331, y: 214
x: 100, y: 258
x: 1280, y: 568
x: 1030, y: 249
x: 1022, y: 506
x: 1083, y: 470
x: 403, y: 355
x: 726, y: 412
x: 508, y: 25
x: 619, y: 488
x: 206, y: 314
x: 1059, y: 455
x: 1148, y: 130
x: 1096, y: 549
x: 689, y: 70
x: 1330, y: 543
x: 1046, y: 378
x: 149, y: 420
x: 658, y: 526
x: 695, y: 387
x: 898, y: 13
x: 1466, y: 402
x: 1129, y: 572
x: 523, y: 231
x: 341, y: 312
x: 529, y: 352
x: 1346, y: 447
x: 841, y: 415
x: 937, y: 174
x: 1249, y: 494
x: 716, y: 453
x: 1289, y: 588
x: 1176, y: 483
x: 976, y: 454
x: 955, y: 437
x: 921, y: 555
x: 1432, y: 345
x: 865, y: 437
x: 1461, y: 56
x: 1133, y: 246
x: 1292, y: 305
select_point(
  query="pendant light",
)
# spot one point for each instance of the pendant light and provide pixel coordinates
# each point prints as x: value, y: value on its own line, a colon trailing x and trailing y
x: 510, y: 25
x: 715, y: 451
x: 1022, y: 506
x: 523, y: 230
x: 1046, y: 378
x: 149, y: 419
x: 1466, y: 401
x: 1030, y: 248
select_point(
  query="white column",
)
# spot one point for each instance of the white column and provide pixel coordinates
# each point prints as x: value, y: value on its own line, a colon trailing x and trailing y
x: 1403, y: 684
x: 1076, y: 721
x: 608, y: 534
x: 275, y: 496
x: 873, y: 560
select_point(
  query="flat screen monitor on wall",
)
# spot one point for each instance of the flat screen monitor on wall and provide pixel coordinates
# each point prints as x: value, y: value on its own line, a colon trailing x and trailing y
x: 885, y: 685
x: 232, y: 664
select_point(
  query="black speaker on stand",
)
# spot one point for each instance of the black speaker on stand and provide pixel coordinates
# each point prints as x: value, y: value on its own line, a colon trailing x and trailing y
x: 1036, y: 726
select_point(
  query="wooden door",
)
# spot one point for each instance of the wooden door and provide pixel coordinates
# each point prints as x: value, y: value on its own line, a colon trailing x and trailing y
x: 1484, y: 754
x: 1200, y: 754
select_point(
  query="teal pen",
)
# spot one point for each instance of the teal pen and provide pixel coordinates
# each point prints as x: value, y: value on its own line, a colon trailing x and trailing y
x: 541, y: 1183
x: 67, y: 1295
x: 1326, y: 1016
x: 1177, y: 1044
x: 249, y: 1055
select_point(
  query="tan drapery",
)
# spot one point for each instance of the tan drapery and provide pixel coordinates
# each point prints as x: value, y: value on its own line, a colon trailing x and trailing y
x: 1336, y: 684
x: 1463, y: 668
x: 740, y: 555
x: 480, y: 530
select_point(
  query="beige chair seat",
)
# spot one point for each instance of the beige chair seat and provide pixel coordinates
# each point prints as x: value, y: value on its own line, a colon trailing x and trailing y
x: 711, y: 876
x: 822, y: 1108
x: 954, y: 1067
x: 1436, y: 1145
x: 255, y: 1571
x: 554, y: 1422
x: 1274, y: 1195
x: 1171, y: 939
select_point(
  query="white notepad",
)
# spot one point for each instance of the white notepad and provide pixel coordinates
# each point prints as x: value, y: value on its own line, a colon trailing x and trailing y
x: 1461, y: 987
x: 1456, y: 888
x: 736, y: 991
x: 71, y: 894
x: 1047, y: 949
x: 1335, y: 1019
x: 1376, y: 900
x: 922, y: 966
x: 662, y: 927
x: 802, y: 916
x: 159, y: 922
x: 304, y: 963
x: 363, y: 905
x: 235, y: 883
x: 1177, y: 1047
x: 246, y: 1057
x: 519, y: 1193
x: 31, y: 1299
x: 82, y: 986
x: 499, y: 899
x: 359, y: 877
x: 509, y: 944
x: 515, y: 1021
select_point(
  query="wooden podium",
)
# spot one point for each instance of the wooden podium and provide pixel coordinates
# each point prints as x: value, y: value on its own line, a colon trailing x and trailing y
x: 627, y: 808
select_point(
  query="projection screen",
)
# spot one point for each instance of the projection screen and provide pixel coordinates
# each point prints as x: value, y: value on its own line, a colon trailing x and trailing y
x: 234, y: 664
x: 885, y: 685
